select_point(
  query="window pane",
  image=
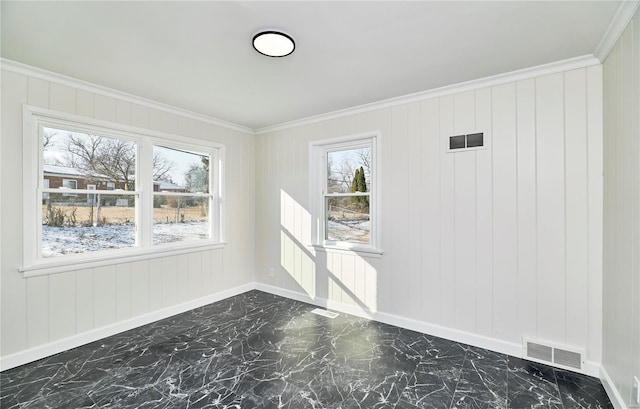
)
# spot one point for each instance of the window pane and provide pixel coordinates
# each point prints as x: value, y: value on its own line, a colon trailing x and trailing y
x: 73, y: 160
x: 179, y: 218
x: 86, y: 223
x: 348, y: 170
x: 179, y: 170
x: 348, y: 219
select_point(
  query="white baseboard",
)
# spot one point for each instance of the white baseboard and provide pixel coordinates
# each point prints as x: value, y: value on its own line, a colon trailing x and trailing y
x: 612, y: 391
x: 492, y: 344
x: 52, y: 348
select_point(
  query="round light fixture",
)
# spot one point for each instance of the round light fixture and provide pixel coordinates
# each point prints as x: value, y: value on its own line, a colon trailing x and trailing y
x: 273, y: 43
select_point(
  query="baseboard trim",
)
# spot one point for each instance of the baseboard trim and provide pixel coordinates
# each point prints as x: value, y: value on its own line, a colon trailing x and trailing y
x: 55, y: 347
x: 612, y: 391
x: 590, y: 368
x: 392, y: 319
x: 512, y: 349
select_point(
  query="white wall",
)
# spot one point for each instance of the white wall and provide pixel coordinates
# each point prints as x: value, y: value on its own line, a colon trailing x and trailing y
x: 486, y: 246
x: 621, y: 311
x: 41, y: 310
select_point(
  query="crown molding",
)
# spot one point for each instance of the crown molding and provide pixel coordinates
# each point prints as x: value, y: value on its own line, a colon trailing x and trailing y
x: 518, y: 75
x: 28, y: 70
x: 618, y: 23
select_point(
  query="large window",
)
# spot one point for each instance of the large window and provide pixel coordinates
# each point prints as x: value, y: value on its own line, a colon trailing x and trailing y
x: 344, y: 192
x: 107, y: 192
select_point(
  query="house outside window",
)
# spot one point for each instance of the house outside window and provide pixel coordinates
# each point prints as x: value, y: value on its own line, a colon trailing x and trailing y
x: 344, y: 190
x: 111, y: 213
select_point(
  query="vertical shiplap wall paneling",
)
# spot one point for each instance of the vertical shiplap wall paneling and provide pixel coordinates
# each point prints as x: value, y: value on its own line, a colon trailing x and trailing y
x: 104, y: 295
x: 123, y: 291
x: 178, y: 270
x: 484, y: 215
x: 37, y: 311
x: 415, y: 210
x: 397, y: 191
x: 430, y: 153
x: 84, y: 301
x: 595, y: 209
x: 526, y: 207
x: 482, y: 243
x: 156, y: 280
x: 139, y: 287
x: 47, y: 308
x: 621, y: 259
x: 62, y: 303
x: 464, y: 206
x: 550, y: 207
x: 85, y: 102
x: 170, y: 281
x: 447, y: 213
x: 505, y: 261
x: 575, y: 106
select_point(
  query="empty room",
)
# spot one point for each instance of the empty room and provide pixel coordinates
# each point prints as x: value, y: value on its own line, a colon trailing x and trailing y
x: 320, y: 204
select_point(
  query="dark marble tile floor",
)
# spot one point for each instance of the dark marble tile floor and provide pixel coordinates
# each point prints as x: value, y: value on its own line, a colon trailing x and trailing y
x: 258, y: 350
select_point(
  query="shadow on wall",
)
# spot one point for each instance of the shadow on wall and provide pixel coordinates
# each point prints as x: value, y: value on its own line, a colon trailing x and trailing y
x: 341, y: 277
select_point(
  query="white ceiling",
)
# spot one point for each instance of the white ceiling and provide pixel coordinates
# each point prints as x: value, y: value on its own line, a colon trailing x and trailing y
x: 198, y: 55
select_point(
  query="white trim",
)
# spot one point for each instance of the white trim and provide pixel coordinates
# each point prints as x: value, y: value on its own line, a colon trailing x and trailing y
x: 33, y: 264
x: 52, y: 348
x: 526, y: 73
x: 123, y: 256
x: 518, y: 75
x: 360, y: 251
x: 318, y: 151
x: 589, y: 368
x: 420, y: 326
x: 508, y: 348
x: 618, y: 23
x: 610, y: 388
x: 19, y: 68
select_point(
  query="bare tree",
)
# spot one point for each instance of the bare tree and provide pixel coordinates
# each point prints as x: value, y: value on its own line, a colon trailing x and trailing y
x: 161, y: 167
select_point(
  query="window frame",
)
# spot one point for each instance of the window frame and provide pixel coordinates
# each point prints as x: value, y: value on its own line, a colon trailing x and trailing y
x: 35, y: 119
x: 318, y: 156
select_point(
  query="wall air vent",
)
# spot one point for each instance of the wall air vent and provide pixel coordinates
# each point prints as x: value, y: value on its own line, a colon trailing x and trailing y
x: 555, y: 355
x: 462, y: 142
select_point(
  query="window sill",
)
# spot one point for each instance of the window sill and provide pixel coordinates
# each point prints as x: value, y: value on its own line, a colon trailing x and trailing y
x: 127, y: 256
x: 360, y: 251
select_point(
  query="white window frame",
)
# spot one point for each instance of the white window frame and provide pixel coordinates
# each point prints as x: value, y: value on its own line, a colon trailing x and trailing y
x: 34, y: 121
x: 318, y: 151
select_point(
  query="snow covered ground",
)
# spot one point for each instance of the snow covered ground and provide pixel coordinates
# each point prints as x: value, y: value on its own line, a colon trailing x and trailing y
x: 69, y: 240
x: 346, y: 230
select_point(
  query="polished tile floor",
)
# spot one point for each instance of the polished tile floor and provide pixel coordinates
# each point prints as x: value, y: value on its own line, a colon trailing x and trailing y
x: 258, y: 350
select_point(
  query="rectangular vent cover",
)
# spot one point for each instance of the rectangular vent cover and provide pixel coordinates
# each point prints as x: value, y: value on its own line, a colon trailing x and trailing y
x: 472, y: 140
x: 553, y: 354
x: 325, y: 313
x: 538, y: 351
x: 567, y: 358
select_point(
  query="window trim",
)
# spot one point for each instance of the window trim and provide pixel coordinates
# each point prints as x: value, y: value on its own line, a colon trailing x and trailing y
x: 35, y: 118
x: 318, y: 183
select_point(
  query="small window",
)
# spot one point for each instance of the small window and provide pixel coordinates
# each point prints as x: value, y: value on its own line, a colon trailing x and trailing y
x: 111, y: 186
x: 69, y: 184
x: 344, y: 176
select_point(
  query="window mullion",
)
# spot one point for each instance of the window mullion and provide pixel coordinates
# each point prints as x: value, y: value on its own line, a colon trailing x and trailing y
x: 144, y: 208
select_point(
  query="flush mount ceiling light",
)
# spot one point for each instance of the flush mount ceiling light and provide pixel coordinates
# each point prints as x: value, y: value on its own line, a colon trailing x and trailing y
x: 273, y: 43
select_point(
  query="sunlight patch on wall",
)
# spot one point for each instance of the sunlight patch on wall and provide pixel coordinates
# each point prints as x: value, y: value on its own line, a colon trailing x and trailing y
x: 295, y: 256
